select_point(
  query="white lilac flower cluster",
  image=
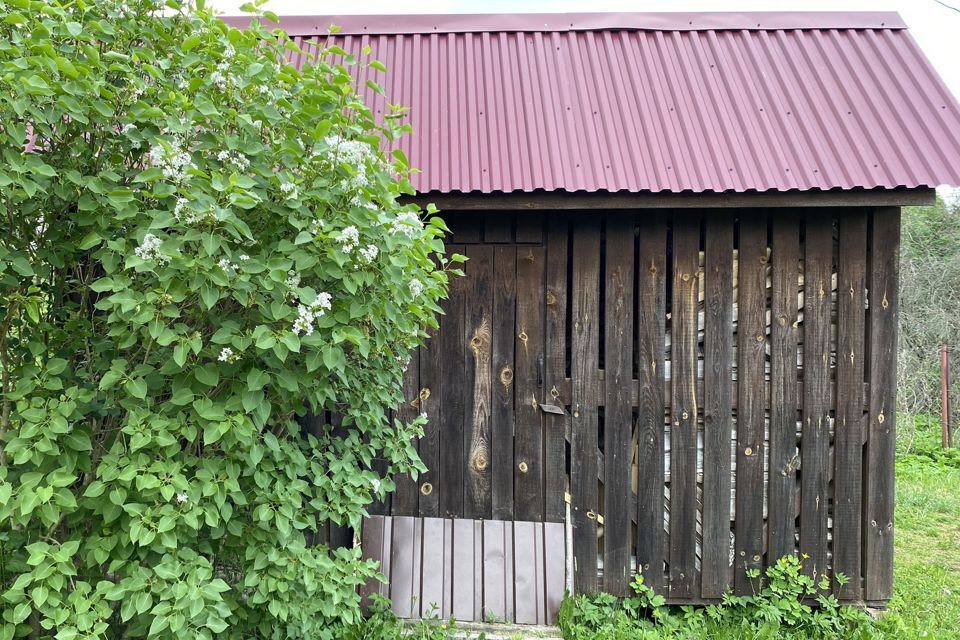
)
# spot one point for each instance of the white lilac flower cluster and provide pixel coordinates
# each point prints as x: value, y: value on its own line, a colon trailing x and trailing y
x: 223, y: 77
x: 350, y: 152
x: 416, y: 288
x: 228, y: 267
x: 172, y: 159
x: 369, y: 253
x: 149, y: 250
x: 349, y: 238
x: 182, y: 498
x: 293, y: 279
x: 235, y: 159
x: 289, y: 190
x: 307, y: 314
x: 182, y: 212
x: 407, y: 223
x: 227, y: 355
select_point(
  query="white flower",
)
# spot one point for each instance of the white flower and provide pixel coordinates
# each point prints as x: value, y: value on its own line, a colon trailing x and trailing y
x: 228, y: 267
x: 317, y: 226
x: 293, y: 279
x: 376, y: 484
x: 416, y: 287
x: 170, y: 157
x: 289, y: 190
x: 307, y: 314
x: 149, y: 249
x: 349, y: 238
x: 127, y: 128
x: 369, y: 253
x: 408, y: 223
x: 225, y: 354
x: 234, y: 158
x: 244, y: 257
x: 182, y: 497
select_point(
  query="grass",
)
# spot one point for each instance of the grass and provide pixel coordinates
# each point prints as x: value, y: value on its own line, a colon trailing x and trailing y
x: 927, y: 538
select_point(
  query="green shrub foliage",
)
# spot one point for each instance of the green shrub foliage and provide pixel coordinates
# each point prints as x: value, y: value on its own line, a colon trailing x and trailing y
x: 199, y: 244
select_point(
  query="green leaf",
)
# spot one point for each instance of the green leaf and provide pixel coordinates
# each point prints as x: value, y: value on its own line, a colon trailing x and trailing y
x: 208, y: 374
x: 137, y: 387
x: 74, y: 28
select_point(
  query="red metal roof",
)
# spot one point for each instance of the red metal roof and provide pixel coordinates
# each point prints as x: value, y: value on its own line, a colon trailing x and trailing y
x: 659, y: 102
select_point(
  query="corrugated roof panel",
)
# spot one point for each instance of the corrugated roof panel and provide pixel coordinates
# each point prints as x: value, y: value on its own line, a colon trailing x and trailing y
x: 636, y: 102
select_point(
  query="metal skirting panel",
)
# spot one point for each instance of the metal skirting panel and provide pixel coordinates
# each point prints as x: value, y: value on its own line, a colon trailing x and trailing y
x: 471, y: 570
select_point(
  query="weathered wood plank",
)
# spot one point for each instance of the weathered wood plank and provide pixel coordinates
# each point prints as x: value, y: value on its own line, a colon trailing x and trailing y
x: 751, y: 335
x: 584, y: 361
x: 618, y: 412
x: 848, y: 433
x: 717, y: 572
x: 530, y: 228
x: 684, y: 577
x: 467, y: 228
x: 478, y: 382
x: 555, y: 426
x: 405, y: 497
x: 502, y: 415
x: 529, y: 356
x: 881, y: 438
x: 431, y: 392
x: 498, y: 227
x: 651, y: 313
x: 449, y: 482
x: 784, y: 332
x: 815, y: 440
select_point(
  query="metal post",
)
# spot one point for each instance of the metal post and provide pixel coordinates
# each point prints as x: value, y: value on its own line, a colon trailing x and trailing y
x: 945, y: 396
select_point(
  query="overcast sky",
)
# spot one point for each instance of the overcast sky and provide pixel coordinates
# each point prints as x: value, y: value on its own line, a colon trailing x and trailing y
x: 935, y: 27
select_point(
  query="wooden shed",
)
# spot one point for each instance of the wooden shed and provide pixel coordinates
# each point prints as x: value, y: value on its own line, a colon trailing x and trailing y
x: 674, y: 350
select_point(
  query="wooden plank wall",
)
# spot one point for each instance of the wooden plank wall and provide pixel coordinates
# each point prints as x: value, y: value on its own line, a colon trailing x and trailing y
x: 704, y: 391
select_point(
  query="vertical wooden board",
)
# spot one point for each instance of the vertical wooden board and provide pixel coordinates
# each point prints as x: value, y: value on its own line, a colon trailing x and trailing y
x: 683, y: 434
x: 784, y: 332
x: 478, y: 386
x: 848, y: 432
x: 371, y: 545
x: 431, y: 589
x: 494, y: 578
x: 403, y: 563
x: 525, y: 568
x: 464, y: 581
x: 815, y: 436
x: 529, y: 227
x: 498, y: 227
x: 881, y: 437
x: 555, y: 426
x: 618, y: 405
x: 405, y: 497
x: 751, y: 334
x: 502, y: 411
x: 431, y: 392
x: 584, y: 398
x: 452, y: 401
x: 717, y: 572
x: 528, y: 437
x: 555, y: 563
x: 651, y: 314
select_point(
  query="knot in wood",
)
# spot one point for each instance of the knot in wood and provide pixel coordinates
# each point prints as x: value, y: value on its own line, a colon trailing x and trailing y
x: 480, y: 462
x: 426, y: 488
x: 782, y: 321
x: 523, y: 337
x: 685, y: 277
x: 554, y: 393
x: 748, y: 451
x: 591, y: 515
x: 685, y: 415
x: 523, y: 467
x: 424, y: 394
x: 506, y: 376
x: 551, y: 298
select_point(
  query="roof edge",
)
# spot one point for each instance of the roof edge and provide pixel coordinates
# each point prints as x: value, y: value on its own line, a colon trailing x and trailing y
x: 661, y: 21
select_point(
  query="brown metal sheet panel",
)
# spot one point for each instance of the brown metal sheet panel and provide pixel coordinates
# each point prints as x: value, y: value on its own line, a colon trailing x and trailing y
x: 434, y: 561
x: 554, y: 568
x: 371, y: 543
x: 403, y: 564
x: 464, y: 581
x: 494, y: 580
x: 525, y: 567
